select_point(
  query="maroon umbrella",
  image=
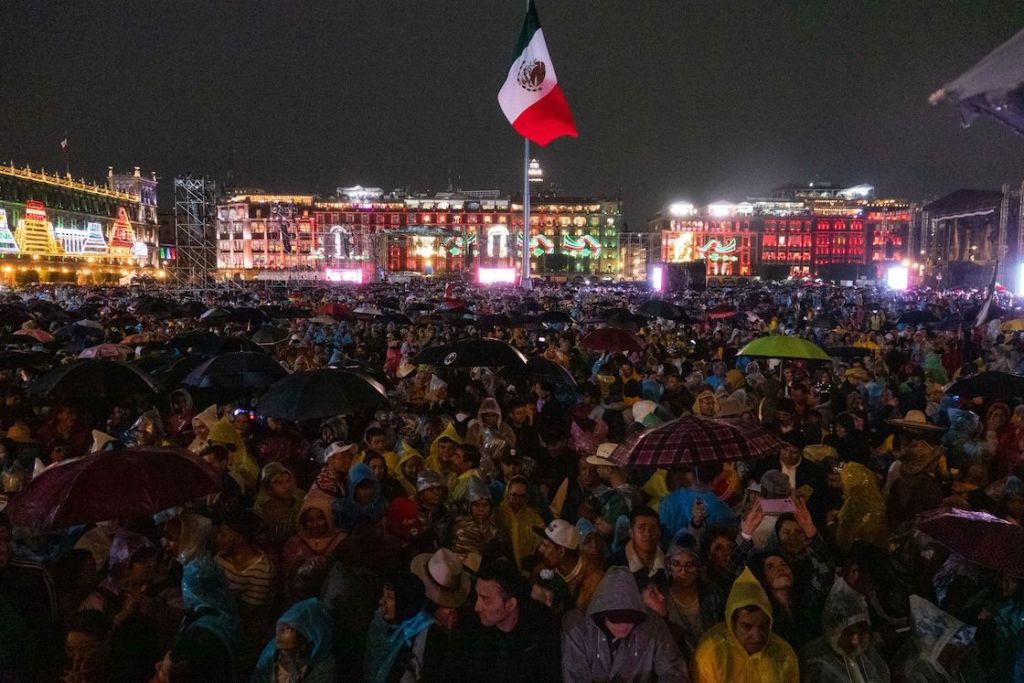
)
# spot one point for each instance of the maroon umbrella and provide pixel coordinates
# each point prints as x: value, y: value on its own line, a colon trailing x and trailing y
x: 690, y: 440
x: 611, y: 339
x: 981, y: 538
x: 721, y: 311
x: 110, y: 485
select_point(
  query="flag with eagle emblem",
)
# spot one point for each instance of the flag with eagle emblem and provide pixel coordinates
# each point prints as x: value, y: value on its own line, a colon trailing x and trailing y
x: 531, y: 98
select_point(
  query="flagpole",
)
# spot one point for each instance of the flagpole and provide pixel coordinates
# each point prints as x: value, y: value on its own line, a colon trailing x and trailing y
x: 525, y: 282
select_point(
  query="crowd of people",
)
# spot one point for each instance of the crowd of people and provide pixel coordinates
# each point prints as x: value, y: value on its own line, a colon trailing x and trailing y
x: 477, y: 527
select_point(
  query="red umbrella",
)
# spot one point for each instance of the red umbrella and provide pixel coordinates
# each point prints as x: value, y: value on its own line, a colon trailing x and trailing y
x: 111, y: 351
x: 721, y: 311
x: 690, y: 440
x: 981, y: 538
x: 611, y: 339
x: 335, y: 310
x: 110, y: 485
x: 41, y: 336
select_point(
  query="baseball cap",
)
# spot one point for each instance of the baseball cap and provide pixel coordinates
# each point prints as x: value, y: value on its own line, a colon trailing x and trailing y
x: 560, y: 532
x: 339, y: 447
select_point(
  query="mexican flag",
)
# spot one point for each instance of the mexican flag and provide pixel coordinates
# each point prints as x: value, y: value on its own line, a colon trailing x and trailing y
x: 531, y: 97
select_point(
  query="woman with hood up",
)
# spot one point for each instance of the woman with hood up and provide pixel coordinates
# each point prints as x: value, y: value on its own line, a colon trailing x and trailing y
x: 616, y: 639
x: 940, y: 649
x: 488, y: 428
x: 301, y: 649
x: 278, y: 502
x: 316, y: 535
x: 743, y: 648
x: 210, y: 431
x: 363, y: 501
x: 845, y: 654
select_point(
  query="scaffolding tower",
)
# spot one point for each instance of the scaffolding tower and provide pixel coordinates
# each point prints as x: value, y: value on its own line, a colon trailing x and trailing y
x: 194, y: 239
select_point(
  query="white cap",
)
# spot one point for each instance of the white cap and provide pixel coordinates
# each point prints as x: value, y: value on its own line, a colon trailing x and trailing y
x: 560, y: 532
x: 339, y: 447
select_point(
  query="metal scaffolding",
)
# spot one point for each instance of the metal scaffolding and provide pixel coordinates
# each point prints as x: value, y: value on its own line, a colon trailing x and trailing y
x: 194, y: 239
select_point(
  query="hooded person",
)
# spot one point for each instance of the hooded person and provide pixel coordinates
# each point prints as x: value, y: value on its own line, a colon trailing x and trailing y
x: 148, y: 430
x: 862, y: 515
x: 240, y: 463
x: 940, y: 650
x: 301, y: 649
x: 364, y: 502
x: 209, y: 633
x: 845, y: 654
x: 617, y: 639
x: 315, y: 534
x: 278, y: 502
x: 519, y: 520
x: 442, y: 450
x: 477, y: 531
x: 706, y: 404
x: 488, y: 429
x: 644, y: 414
x: 410, y: 462
x: 202, y: 425
x: 188, y: 537
x: 397, y: 642
x: 743, y: 649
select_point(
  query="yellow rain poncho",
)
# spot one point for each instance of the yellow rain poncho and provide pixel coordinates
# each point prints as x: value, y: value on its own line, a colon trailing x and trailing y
x: 240, y: 463
x: 408, y: 453
x: 862, y: 516
x: 433, y: 462
x: 519, y: 526
x: 721, y: 658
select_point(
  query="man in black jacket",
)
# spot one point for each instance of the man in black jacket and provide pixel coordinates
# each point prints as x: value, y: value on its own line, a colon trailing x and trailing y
x: 513, y: 638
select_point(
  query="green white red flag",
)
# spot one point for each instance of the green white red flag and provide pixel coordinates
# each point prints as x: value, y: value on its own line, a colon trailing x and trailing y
x: 531, y: 98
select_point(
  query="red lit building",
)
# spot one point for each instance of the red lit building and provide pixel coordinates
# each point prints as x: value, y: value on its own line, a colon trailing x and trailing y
x: 787, y: 242
x: 726, y: 245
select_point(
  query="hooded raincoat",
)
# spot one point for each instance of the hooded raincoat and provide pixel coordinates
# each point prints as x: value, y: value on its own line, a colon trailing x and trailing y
x: 487, y: 438
x: 862, y: 516
x: 279, y: 516
x: 823, y: 659
x: 589, y: 652
x: 721, y: 657
x: 349, y: 511
x: 315, y: 664
x: 519, y: 526
x: 211, y: 618
x: 933, y: 630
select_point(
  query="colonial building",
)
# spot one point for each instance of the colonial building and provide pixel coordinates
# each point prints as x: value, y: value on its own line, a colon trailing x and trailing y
x: 55, y: 228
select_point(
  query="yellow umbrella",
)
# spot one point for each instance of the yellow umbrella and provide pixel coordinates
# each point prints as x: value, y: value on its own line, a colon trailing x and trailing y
x: 1013, y: 325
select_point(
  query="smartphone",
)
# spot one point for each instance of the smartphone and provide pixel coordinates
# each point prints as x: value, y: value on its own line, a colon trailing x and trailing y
x: 777, y: 506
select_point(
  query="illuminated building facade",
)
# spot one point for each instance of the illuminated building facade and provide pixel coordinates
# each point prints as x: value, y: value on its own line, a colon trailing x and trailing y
x: 264, y: 231
x: 54, y: 228
x: 821, y: 230
x: 367, y: 228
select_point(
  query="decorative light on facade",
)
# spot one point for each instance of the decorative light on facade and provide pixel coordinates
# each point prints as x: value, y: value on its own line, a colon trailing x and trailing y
x: 682, y: 209
x: 721, y: 209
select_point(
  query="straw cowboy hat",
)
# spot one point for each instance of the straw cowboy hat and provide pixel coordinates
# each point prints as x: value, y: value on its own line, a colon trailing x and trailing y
x: 915, y: 420
x: 443, y: 577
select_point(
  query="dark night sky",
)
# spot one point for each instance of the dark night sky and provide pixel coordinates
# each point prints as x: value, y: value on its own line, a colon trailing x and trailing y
x: 695, y: 100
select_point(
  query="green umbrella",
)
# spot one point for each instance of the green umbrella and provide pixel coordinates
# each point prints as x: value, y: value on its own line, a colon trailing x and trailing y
x: 778, y: 346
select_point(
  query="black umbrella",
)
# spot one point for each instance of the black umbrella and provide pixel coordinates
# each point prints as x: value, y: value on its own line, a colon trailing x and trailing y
x: 216, y: 315
x: 540, y: 369
x: 917, y: 318
x: 495, y: 320
x: 418, y: 306
x: 555, y: 318
x: 236, y: 371
x: 847, y: 351
x: 10, y: 360
x: 472, y: 353
x: 398, y: 319
x: 316, y: 394
x: 656, y: 308
x: 13, y: 315
x: 971, y: 314
x: 268, y: 335
x: 364, y: 368
x: 990, y: 385
x: 80, y: 333
x: 626, y: 319
x: 208, y: 344
x: 92, y: 379
x: 156, y: 307
x: 246, y: 314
